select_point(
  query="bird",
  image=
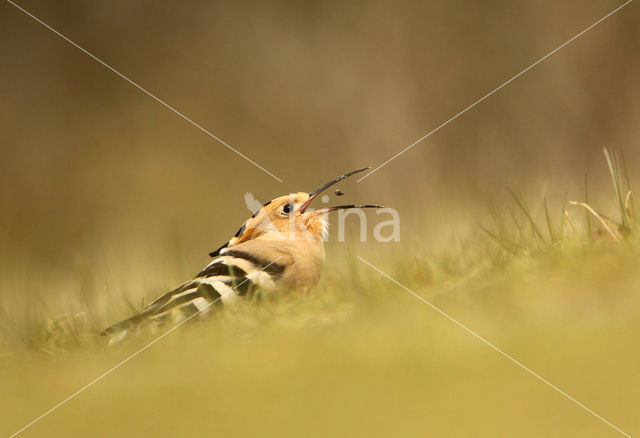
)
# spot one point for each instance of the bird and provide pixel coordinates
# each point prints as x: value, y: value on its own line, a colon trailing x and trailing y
x: 279, y: 248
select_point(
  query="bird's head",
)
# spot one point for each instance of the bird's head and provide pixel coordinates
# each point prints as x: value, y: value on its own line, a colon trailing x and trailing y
x: 289, y: 216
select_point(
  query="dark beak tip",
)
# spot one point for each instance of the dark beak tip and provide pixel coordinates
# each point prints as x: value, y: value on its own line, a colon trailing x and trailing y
x: 322, y: 188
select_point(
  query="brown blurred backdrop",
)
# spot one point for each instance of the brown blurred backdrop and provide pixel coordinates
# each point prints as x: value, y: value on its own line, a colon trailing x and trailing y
x: 308, y: 90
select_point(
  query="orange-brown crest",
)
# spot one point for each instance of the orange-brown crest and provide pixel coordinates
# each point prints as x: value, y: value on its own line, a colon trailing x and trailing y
x: 283, y: 219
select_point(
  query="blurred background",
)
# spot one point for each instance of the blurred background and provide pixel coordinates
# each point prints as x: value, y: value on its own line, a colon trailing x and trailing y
x: 307, y: 90
x: 105, y: 194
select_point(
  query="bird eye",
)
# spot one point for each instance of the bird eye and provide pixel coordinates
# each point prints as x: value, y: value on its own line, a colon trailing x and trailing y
x: 287, y: 208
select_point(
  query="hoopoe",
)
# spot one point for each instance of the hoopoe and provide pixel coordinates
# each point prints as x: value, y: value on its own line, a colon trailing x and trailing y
x: 280, y: 247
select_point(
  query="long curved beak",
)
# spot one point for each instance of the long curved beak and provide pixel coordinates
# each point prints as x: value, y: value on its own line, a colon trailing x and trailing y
x: 343, y: 207
x: 324, y: 187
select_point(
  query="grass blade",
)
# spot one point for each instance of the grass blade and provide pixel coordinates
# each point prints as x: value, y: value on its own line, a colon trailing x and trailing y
x: 552, y: 233
x: 586, y: 212
x: 615, y: 176
x: 600, y: 218
x: 525, y: 209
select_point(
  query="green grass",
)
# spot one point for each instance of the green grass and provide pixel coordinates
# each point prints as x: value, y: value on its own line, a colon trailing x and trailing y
x: 557, y: 290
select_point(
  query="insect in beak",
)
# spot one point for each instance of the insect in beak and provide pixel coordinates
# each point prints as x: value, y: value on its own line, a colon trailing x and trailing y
x: 322, y: 188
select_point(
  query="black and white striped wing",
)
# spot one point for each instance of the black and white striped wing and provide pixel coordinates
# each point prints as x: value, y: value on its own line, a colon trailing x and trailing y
x: 230, y: 277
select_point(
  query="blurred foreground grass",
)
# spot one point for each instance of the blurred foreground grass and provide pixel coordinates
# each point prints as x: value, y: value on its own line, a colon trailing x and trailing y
x: 359, y: 356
